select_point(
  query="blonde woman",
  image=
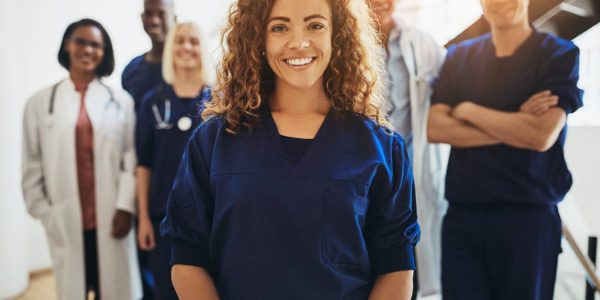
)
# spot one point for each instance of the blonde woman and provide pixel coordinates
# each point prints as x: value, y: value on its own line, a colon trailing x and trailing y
x: 294, y: 187
x: 166, y: 120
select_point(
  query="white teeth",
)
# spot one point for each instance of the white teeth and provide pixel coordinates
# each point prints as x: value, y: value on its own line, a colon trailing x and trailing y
x: 299, y: 61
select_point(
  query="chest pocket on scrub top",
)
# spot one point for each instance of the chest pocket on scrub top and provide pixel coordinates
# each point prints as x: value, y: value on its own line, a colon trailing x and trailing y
x: 344, y: 216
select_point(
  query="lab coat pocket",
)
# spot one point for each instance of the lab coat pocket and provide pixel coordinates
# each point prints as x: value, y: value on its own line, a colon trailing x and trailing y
x: 52, y: 129
x: 113, y: 126
x: 54, y: 234
x: 343, y: 245
x: 49, y: 122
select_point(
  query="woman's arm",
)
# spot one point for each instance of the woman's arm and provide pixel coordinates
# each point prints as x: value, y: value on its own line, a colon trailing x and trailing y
x: 32, y: 181
x: 391, y: 227
x: 395, y: 285
x: 145, y: 235
x: 192, y: 282
x: 188, y: 223
x: 126, y: 184
x: 125, y: 200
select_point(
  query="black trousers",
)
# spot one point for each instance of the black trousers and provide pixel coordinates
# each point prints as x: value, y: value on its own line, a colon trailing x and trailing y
x: 90, y: 244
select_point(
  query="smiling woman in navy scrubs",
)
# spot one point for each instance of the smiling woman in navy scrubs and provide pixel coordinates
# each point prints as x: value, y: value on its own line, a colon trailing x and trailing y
x: 293, y: 187
x: 165, y: 122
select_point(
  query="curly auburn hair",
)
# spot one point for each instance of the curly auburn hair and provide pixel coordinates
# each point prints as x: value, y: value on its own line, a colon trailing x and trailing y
x: 353, y: 79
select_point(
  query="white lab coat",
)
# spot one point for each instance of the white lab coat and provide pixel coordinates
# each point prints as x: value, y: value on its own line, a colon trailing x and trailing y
x: 51, y: 192
x: 423, y: 58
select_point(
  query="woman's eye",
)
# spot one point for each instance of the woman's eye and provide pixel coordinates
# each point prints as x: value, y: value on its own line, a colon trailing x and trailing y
x: 278, y: 28
x: 316, y: 26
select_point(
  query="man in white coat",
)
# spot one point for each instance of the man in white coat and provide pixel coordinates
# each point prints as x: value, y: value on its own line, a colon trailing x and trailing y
x: 413, y: 62
x: 54, y: 124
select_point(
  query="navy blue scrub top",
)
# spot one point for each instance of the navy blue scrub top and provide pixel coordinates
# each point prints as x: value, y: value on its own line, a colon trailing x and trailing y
x: 295, y: 147
x: 160, y: 149
x: 501, y: 173
x: 266, y: 228
x: 139, y: 77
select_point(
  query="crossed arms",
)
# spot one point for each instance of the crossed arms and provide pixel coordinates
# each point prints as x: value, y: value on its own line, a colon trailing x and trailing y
x: 535, y: 126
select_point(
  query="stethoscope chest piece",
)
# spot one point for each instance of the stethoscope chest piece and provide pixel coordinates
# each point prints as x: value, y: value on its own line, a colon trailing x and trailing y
x: 184, y: 123
x: 163, y: 123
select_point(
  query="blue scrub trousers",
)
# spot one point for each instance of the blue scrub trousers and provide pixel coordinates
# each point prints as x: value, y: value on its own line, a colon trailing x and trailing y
x: 159, y: 260
x: 500, y: 251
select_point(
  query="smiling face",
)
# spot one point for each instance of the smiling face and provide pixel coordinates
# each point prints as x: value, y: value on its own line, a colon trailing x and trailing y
x: 85, y: 47
x: 503, y: 14
x: 186, y: 49
x: 298, y: 41
x: 158, y: 18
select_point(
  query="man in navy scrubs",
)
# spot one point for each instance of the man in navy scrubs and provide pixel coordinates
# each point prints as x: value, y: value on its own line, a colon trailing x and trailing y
x: 502, y: 101
x: 143, y: 72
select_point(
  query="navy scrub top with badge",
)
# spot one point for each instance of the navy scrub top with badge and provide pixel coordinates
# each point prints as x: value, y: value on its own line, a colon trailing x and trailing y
x: 266, y: 228
x: 160, y: 149
x: 501, y: 173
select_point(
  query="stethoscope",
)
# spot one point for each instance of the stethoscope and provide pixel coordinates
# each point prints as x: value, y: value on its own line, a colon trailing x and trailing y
x: 164, y: 122
x: 111, y: 101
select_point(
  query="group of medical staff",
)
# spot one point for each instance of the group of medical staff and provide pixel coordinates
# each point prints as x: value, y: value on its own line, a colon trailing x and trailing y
x: 91, y: 151
x: 480, y: 128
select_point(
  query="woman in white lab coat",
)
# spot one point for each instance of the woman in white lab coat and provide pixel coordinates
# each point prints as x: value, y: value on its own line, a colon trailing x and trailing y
x: 78, y: 170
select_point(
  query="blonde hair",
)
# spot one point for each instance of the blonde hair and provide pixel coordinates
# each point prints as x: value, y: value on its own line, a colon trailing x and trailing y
x: 354, y: 79
x: 168, y: 68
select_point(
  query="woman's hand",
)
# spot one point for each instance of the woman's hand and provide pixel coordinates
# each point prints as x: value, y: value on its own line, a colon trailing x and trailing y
x: 121, y: 224
x: 145, y: 234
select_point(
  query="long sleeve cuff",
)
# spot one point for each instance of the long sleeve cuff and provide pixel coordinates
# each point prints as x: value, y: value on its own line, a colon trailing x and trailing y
x: 185, y: 253
x: 126, y: 193
x: 399, y: 258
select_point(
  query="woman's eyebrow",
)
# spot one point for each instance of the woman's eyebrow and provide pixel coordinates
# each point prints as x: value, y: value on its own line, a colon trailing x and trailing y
x: 286, y: 19
x: 314, y: 16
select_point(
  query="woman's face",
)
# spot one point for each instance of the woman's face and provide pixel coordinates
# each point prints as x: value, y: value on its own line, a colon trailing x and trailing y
x: 298, y: 41
x: 85, y: 48
x: 186, y: 49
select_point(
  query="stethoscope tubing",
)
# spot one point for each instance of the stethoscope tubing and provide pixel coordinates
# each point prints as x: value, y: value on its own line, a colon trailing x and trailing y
x: 53, y: 96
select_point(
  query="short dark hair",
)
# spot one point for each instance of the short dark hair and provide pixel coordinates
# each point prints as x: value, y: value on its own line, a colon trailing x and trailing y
x: 107, y: 65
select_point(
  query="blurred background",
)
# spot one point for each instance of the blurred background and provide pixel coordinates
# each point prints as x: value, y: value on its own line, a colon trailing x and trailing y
x: 31, y: 30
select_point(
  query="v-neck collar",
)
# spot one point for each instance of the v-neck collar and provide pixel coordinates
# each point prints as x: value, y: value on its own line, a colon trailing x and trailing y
x: 527, y: 44
x: 287, y: 167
